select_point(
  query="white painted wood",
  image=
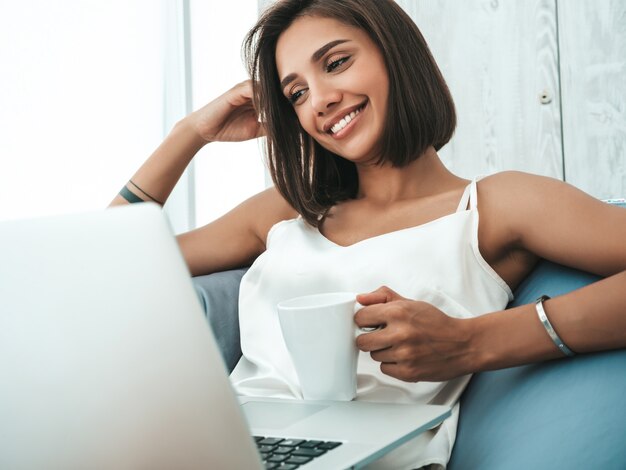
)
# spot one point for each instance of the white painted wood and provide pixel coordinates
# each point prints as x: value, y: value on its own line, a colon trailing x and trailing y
x: 180, y: 206
x: 498, y: 58
x: 592, y: 38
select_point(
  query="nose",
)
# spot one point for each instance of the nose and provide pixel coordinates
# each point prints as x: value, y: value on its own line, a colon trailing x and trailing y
x: 323, y: 97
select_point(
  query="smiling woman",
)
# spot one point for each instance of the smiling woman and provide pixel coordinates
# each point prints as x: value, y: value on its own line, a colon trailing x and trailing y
x: 327, y: 76
x: 355, y: 111
x: 359, y: 49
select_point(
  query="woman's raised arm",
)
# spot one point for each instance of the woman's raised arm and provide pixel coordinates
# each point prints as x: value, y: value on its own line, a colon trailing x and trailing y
x: 229, y: 118
x: 238, y: 237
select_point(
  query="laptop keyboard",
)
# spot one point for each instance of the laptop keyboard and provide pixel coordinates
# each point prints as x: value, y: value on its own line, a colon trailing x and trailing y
x: 289, y: 454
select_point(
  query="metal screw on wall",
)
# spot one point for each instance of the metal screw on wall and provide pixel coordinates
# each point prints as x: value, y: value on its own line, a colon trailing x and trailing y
x: 545, y: 97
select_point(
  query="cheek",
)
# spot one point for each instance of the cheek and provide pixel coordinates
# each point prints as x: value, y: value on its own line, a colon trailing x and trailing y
x: 379, y: 82
x: 305, y: 120
x: 382, y: 89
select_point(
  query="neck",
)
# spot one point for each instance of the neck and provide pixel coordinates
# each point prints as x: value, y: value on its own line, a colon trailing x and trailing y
x: 425, y: 176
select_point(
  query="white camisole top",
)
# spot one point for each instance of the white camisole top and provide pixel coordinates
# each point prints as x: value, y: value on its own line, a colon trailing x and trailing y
x: 437, y: 262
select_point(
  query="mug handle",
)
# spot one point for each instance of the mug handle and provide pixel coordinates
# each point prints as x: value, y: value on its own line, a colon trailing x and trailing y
x: 368, y: 329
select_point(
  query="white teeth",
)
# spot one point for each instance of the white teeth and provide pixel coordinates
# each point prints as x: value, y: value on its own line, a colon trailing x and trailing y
x: 344, y: 121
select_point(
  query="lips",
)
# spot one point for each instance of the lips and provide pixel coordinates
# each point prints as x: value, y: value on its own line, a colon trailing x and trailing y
x: 343, y: 118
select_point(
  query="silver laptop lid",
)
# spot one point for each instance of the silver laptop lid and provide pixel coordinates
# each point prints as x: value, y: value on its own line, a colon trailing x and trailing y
x: 106, y: 358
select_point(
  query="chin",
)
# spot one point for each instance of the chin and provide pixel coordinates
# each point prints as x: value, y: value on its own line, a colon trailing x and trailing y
x: 368, y: 155
x: 359, y: 152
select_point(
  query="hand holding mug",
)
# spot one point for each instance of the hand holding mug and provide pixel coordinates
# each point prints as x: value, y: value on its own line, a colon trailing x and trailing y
x: 417, y: 341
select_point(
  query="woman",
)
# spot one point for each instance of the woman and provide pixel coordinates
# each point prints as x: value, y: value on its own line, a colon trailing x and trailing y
x: 355, y: 110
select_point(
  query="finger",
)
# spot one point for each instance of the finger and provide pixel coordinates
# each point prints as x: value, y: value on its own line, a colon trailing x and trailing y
x: 394, y: 370
x: 384, y: 355
x: 372, y: 316
x: 240, y: 94
x: 261, y: 130
x: 244, y: 88
x: 374, y: 341
x: 380, y: 296
x: 402, y: 372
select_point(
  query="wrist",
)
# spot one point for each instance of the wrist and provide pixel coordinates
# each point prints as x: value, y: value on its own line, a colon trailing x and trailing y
x: 187, y: 129
x: 510, y: 338
x: 480, y: 355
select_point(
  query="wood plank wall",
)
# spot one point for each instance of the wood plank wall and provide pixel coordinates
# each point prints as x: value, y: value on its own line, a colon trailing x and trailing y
x: 540, y: 86
x: 592, y: 44
x: 499, y: 58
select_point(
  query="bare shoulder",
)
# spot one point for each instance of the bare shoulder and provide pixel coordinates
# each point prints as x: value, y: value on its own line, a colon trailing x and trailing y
x: 513, y: 184
x: 266, y: 209
x: 553, y: 220
x: 236, y: 238
x: 521, y: 195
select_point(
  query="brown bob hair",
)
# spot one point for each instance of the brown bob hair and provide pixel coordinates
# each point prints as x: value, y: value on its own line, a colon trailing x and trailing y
x: 420, y: 108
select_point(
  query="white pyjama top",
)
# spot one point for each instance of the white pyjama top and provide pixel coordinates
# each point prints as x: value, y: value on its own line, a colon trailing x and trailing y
x: 437, y: 262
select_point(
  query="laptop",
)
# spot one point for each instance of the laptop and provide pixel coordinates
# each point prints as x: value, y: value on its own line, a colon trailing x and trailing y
x: 107, y: 361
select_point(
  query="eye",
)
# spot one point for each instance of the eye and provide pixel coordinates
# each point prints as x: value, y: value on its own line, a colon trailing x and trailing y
x: 334, y: 64
x: 295, y: 96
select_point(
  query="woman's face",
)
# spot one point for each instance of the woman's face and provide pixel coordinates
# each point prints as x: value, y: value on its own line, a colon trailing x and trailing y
x: 336, y: 80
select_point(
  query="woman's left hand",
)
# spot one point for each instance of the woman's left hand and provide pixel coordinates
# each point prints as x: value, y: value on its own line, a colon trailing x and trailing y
x: 416, y: 341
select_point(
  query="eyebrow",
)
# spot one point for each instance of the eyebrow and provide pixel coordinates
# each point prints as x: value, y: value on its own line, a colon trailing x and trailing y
x: 317, y: 55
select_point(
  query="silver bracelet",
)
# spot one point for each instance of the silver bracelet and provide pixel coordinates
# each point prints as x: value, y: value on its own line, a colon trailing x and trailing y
x: 541, y: 313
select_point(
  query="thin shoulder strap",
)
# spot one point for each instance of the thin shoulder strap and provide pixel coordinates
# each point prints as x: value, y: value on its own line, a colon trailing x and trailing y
x: 473, y: 194
x: 464, y: 199
x: 469, y: 197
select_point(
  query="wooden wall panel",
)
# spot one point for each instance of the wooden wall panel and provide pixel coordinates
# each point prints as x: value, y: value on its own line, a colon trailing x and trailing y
x: 498, y: 57
x: 592, y: 38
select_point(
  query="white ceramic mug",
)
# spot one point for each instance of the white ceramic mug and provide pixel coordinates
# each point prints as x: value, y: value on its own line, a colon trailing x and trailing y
x: 320, y: 334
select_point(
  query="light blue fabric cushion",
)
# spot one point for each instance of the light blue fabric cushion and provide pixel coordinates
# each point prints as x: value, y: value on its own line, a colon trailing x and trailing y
x: 562, y: 414
x: 219, y: 295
